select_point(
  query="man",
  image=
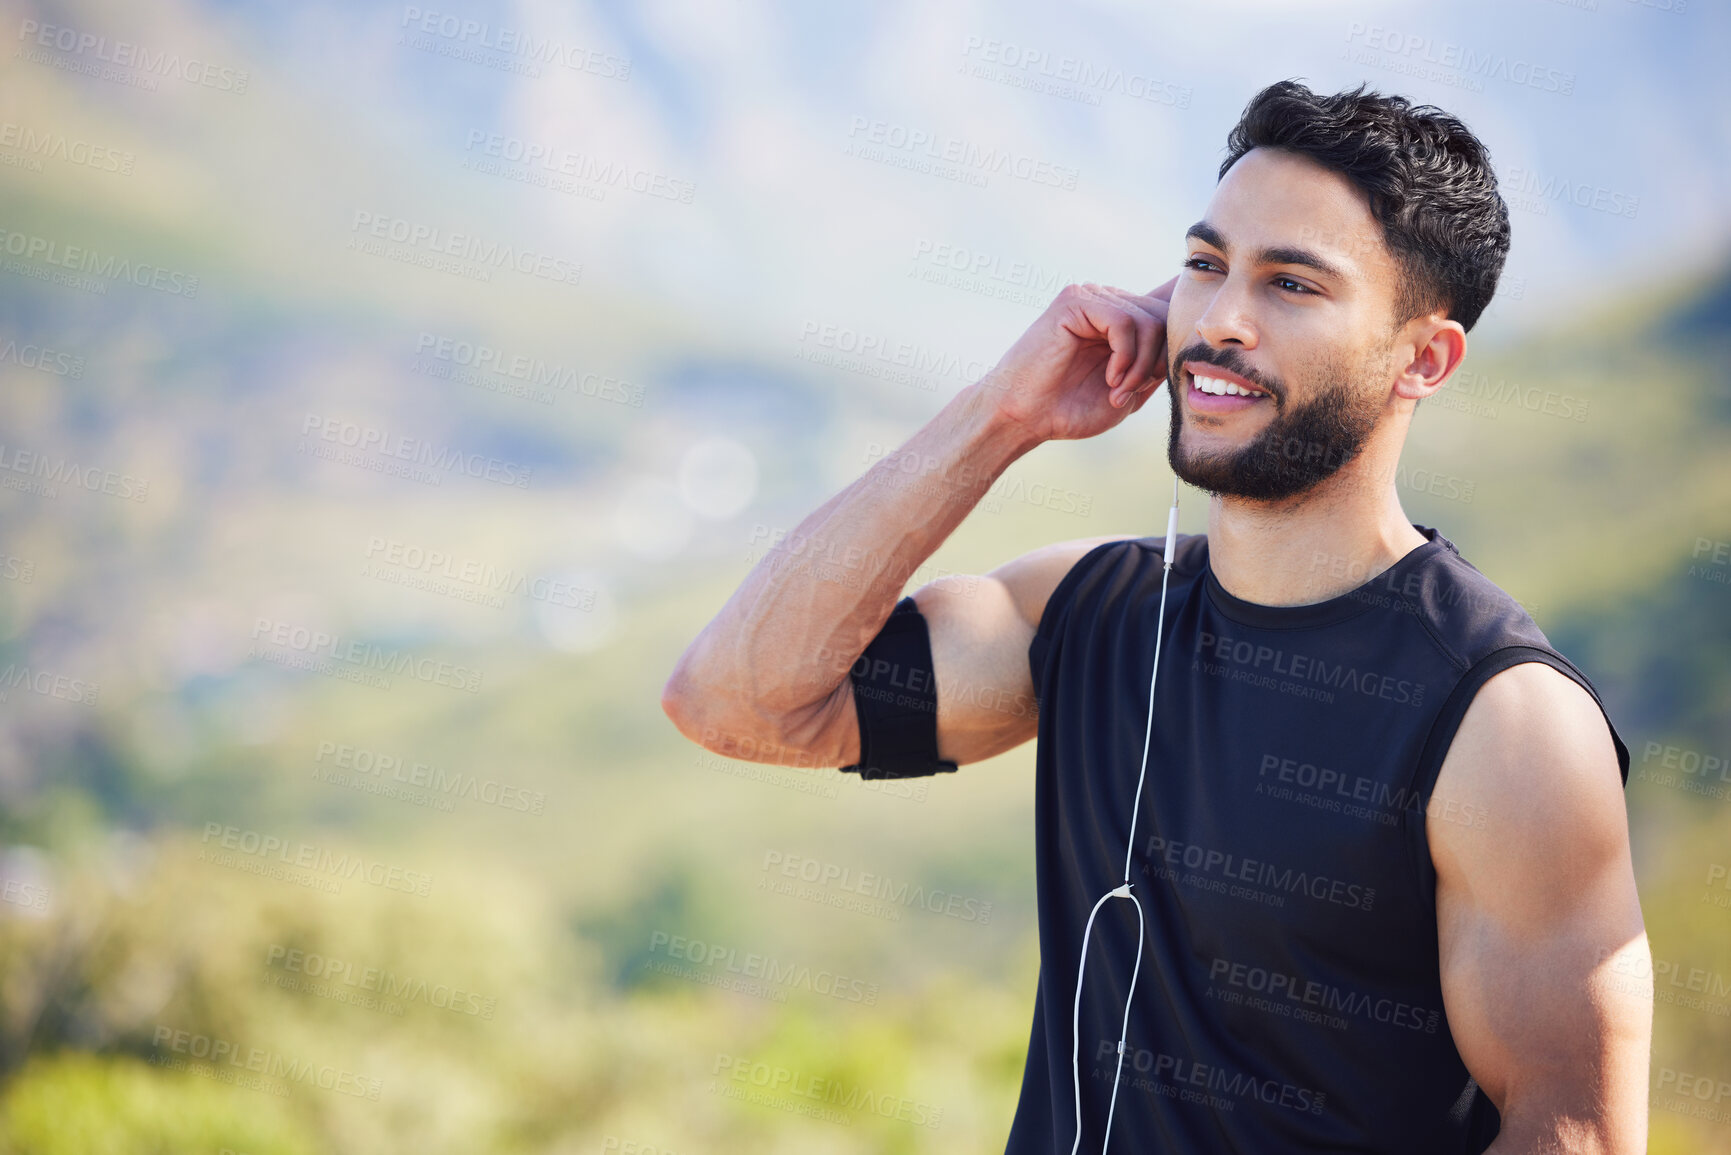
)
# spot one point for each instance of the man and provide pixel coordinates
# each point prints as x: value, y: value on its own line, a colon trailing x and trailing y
x: 1386, y: 900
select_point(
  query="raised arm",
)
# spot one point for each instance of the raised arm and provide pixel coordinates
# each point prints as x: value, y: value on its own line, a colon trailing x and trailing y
x: 767, y: 678
x: 1542, y: 944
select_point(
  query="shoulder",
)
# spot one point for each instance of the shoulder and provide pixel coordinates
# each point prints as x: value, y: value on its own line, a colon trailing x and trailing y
x: 1531, y: 787
x: 1532, y: 709
x: 1032, y: 578
x: 1120, y: 568
x: 1467, y: 613
x: 1006, y: 605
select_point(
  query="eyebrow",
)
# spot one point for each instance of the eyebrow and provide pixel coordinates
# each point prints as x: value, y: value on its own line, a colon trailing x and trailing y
x: 1274, y: 255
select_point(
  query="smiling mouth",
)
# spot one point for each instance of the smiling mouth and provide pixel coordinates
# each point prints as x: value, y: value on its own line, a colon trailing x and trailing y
x: 1221, y: 387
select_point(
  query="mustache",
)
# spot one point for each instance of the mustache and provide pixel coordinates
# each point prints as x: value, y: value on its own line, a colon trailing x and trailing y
x: 1232, y: 361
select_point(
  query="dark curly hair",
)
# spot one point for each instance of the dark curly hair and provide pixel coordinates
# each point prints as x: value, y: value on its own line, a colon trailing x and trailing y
x: 1428, y: 178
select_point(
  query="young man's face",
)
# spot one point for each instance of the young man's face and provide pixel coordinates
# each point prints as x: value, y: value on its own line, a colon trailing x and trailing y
x: 1287, y: 288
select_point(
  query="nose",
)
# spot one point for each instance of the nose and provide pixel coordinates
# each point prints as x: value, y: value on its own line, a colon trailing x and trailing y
x: 1227, y: 319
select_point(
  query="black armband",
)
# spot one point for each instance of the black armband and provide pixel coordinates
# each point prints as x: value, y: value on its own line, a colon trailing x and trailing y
x: 896, y: 697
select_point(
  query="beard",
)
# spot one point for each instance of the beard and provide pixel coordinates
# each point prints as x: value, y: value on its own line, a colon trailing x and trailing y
x: 1304, y: 445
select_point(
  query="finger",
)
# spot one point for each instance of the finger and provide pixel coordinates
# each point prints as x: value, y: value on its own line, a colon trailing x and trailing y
x: 1155, y: 380
x: 1150, y: 363
x: 1149, y: 367
x: 1106, y: 315
x: 1145, y: 370
x: 1164, y: 292
x: 1139, y: 399
x: 1147, y: 306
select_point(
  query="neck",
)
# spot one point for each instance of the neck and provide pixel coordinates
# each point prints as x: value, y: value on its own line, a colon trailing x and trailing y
x: 1318, y: 545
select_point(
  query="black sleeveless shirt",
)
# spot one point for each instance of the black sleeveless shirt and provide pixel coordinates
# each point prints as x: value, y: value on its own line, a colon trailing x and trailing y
x: 1290, y: 996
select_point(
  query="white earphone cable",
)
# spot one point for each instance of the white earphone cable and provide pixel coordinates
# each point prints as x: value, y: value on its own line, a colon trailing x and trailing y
x: 1123, y: 889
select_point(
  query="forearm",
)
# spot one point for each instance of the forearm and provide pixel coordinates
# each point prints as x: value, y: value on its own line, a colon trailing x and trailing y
x: 785, y: 640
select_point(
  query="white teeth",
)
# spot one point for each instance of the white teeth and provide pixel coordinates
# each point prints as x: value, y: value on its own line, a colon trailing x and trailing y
x: 1223, y: 388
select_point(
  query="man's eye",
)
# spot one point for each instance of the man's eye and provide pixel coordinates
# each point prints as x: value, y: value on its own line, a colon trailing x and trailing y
x: 1198, y: 262
x: 1289, y: 281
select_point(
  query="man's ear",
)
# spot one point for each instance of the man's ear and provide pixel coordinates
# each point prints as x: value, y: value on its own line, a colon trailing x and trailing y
x: 1437, y: 346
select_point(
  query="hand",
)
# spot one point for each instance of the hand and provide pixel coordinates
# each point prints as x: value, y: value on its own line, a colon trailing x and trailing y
x: 1092, y: 358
